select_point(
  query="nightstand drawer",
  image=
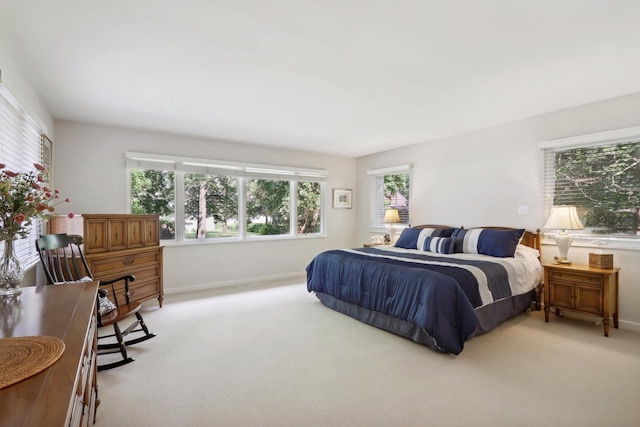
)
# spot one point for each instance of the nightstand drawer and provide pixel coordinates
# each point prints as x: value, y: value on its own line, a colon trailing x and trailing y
x: 570, y: 276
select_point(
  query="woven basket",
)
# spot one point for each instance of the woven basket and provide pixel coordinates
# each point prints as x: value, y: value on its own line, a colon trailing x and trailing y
x: 23, y: 357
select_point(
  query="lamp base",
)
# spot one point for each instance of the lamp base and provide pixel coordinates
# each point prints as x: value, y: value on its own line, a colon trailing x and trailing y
x: 563, y: 240
x: 561, y: 260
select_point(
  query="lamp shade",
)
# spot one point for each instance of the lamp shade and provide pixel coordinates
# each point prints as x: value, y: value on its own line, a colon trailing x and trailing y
x: 391, y: 216
x: 564, y: 218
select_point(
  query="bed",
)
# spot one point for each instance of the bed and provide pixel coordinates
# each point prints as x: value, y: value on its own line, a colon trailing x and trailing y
x: 438, y: 285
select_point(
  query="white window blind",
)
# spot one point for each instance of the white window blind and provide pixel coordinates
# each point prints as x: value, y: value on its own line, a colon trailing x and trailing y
x: 20, y: 148
x: 600, y: 175
x: 222, y: 167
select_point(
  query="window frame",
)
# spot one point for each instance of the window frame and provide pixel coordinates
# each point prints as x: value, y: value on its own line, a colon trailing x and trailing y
x: 548, y: 148
x: 374, y: 174
x: 242, y: 171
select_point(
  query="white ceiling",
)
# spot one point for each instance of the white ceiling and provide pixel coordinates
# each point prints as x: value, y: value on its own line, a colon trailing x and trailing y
x: 348, y: 77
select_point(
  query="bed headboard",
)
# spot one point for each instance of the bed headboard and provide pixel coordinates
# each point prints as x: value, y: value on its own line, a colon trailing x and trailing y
x: 433, y: 226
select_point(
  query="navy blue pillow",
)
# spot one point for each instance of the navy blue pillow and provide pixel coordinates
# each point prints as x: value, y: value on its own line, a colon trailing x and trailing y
x: 441, y: 245
x: 459, y: 233
x: 408, y: 239
x: 442, y: 232
x: 499, y: 243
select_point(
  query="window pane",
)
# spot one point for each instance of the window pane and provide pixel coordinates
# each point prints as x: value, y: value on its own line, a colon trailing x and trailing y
x: 604, y: 183
x: 396, y: 193
x: 391, y: 191
x: 211, y: 206
x: 309, y: 207
x: 267, y: 207
x: 153, y: 192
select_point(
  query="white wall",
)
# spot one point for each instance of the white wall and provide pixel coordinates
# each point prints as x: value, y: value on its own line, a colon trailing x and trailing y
x: 482, y: 177
x: 89, y: 167
x: 22, y: 89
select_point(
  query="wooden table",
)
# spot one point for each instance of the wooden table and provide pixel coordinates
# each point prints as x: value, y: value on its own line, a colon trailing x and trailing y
x: 66, y: 392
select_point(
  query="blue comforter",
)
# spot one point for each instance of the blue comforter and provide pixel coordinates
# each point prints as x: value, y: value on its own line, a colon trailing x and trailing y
x: 415, y: 288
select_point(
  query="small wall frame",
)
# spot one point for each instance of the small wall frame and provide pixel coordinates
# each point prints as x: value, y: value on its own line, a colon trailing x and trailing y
x: 342, y: 198
x: 47, y: 157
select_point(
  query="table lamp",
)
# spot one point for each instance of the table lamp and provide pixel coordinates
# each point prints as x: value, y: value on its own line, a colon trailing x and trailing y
x: 563, y: 218
x: 391, y: 217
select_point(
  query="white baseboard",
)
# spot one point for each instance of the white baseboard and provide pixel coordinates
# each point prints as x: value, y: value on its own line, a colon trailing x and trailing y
x: 622, y: 324
x: 254, y: 281
x: 629, y: 326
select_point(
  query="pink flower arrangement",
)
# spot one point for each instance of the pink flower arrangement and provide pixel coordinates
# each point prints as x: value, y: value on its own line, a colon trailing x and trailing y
x: 23, y: 198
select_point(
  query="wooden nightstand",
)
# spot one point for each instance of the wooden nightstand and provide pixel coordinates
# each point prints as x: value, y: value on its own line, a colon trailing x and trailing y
x: 583, y: 289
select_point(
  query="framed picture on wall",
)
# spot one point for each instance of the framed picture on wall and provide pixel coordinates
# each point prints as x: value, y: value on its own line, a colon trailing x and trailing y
x: 47, y: 157
x: 342, y: 198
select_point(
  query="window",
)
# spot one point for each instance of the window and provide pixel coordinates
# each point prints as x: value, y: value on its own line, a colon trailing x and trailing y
x: 210, y: 206
x: 153, y: 192
x: 600, y: 175
x: 268, y: 207
x: 20, y: 148
x: 309, y: 200
x: 199, y: 199
x: 391, y: 189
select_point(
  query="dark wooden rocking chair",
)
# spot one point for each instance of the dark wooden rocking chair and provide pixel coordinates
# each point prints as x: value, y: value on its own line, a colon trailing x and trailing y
x: 63, y: 262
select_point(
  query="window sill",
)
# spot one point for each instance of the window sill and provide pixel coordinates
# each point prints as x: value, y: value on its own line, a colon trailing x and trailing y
x: 229, y: 240
x: 599, y: 242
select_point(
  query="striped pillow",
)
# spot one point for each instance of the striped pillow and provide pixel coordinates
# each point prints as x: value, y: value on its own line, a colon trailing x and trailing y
x: 441, y: 245
x: 432, y: 232
x: 413, y: 238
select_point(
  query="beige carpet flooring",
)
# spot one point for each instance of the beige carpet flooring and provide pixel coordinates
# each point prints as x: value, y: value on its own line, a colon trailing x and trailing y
x: 274, y: 356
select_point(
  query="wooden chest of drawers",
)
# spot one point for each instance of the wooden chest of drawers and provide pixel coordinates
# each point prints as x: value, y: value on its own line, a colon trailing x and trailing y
x: 120, y: 244
x: 66, y: 393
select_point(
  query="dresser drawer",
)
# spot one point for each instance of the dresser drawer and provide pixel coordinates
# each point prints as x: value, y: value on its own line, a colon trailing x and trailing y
x: 145, y: 290
x: 147, y: 284
x: 142, y: 292
x: 141, y: 274
x: 570, y: 276
x: 102, y: 267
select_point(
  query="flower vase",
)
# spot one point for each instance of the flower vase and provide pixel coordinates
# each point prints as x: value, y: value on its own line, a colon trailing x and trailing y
x: 11, y: 273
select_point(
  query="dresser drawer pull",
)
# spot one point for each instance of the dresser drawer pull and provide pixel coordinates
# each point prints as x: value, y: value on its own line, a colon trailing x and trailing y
x: 128, y: 262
